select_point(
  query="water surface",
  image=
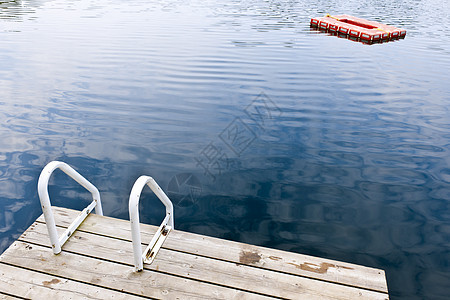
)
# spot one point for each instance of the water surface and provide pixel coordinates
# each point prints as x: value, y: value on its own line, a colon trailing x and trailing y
x: 260, y: 129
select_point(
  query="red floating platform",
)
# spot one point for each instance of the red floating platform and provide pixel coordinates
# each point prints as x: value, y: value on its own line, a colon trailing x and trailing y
x: 357, y: 28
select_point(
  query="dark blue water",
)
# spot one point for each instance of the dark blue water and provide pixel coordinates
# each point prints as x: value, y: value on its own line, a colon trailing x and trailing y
x: 259, y: 129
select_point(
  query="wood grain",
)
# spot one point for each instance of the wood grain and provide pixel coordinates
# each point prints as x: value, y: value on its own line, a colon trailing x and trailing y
x: 266, y: 258
x: 97, y: 262
x: 218, y: 272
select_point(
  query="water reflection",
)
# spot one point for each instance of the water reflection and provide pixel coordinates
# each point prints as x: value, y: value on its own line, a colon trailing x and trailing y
x: 18, y: 11
x: 353, y: 164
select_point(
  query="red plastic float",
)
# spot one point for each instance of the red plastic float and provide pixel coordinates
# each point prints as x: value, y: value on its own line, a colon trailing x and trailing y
x: 369, y: 31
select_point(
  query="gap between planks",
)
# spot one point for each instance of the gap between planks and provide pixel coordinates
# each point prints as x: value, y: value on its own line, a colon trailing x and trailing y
x: 210, y: 267
x: 5, y: 296
x: 36, y: 285
x: 114, y: 276
x: 266, y: 258
x: 221, y: 273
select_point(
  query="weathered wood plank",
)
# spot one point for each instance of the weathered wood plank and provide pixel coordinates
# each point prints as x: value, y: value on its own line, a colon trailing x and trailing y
x: 33, y: 285
x: 205, y: 269
x: 281, y: 261
x: 8, y: 297
x: 115, y: 276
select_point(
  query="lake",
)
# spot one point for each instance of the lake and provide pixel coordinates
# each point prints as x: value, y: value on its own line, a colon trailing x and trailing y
x: 260, y: 129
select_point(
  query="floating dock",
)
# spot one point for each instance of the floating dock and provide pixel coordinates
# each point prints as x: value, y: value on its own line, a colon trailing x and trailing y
x: 357, y: 29
x: 97, y: 263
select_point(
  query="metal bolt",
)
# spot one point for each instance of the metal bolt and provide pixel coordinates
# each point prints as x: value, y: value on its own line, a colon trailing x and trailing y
x: 164, y: 231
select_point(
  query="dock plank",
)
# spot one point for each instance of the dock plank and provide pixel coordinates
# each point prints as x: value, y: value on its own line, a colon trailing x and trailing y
x: 115, y: 276
x: 239, y: 253
x: 24, y: 283
x: 8, y: 297
x: 97, y: 263
x: 219, y: 272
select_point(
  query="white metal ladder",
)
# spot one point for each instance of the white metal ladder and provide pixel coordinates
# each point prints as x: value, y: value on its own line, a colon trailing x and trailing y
x: 139, y: 259
x: 163, y: 231
x: 56, y: 242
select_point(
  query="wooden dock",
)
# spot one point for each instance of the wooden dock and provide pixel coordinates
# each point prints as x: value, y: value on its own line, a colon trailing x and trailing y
x: 97, y: 262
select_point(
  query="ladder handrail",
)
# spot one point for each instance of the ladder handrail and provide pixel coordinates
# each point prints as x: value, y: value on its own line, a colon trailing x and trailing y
x: 56, y: 242
x: 159, y: 237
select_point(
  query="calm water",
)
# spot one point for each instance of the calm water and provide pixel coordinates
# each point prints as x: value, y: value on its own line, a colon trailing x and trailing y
x: 261, y: 130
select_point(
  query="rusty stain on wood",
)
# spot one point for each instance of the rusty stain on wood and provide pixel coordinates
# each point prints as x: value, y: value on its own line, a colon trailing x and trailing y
x: 322, y: 269
x: 275, y: 258
x: 50, y: 282
x: 249, y: 257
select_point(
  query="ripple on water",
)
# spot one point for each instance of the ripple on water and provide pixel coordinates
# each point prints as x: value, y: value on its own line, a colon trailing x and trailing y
x: 352, y: 166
